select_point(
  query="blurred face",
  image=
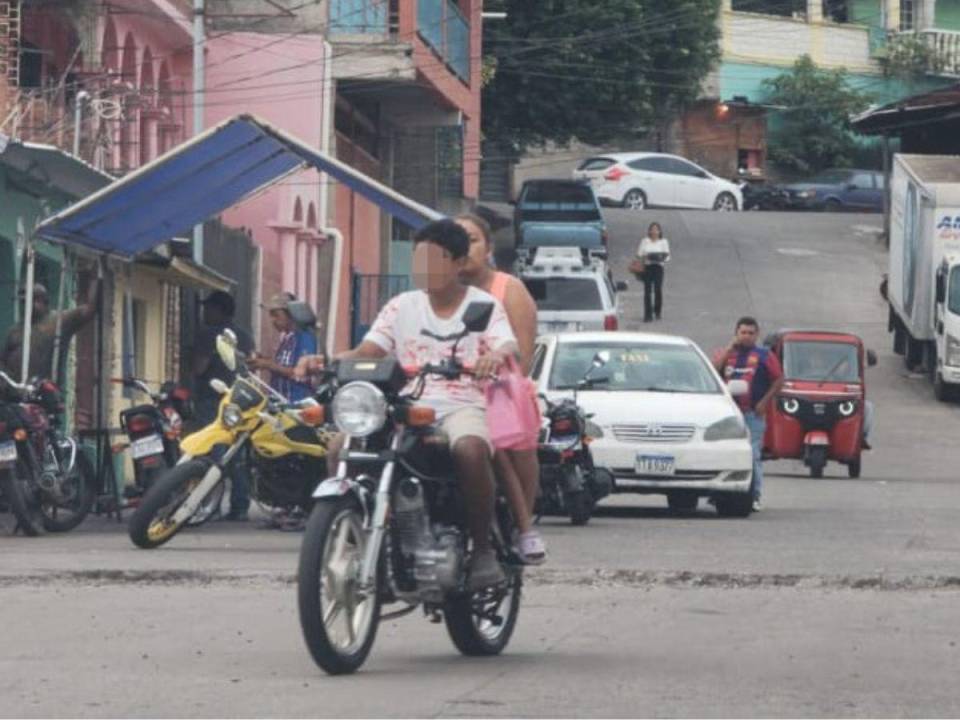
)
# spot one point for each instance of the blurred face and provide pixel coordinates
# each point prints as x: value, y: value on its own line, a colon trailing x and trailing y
x: 747, y: 336
x: 281, y: 320
x: 478, y: 258
x: 654, y: 232
x: 434, y: 269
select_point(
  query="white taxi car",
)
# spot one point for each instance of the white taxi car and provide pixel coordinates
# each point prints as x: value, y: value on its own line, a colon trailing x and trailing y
x: 670, y: 425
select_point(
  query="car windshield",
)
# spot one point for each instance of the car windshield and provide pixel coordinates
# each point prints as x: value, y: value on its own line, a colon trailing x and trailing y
x: 559, y: 202
x: 634, y: 366
x: 821, y: 361
x: 830, y: 177
x: 563, y: 293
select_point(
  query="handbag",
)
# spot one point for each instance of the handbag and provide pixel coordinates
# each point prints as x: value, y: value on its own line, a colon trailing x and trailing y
x: 637, y: 266
x: 513, y: 414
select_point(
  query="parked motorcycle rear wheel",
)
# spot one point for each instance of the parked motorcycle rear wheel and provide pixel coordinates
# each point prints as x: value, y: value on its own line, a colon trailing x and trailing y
x: 25, y: 509
x: 81, y: 500
x: 149, y: 525
x: 334, y: 544
x: 580, y: 505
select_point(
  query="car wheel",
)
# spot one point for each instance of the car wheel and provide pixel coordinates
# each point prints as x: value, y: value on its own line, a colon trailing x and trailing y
x: 738, y: 505
x: 942, y: 391
x: 832, y: 205
x: 725, y: 202
x: 853, y: 468
x: 635, y: 200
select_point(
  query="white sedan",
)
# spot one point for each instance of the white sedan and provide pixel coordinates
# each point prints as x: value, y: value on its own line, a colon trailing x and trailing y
x: 640, y: 180
x: 670, y: 425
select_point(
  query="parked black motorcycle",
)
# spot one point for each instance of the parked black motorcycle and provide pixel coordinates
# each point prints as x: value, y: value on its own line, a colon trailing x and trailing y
x: 391, y: 526
x: 49, y: 484
x: 570, y: 484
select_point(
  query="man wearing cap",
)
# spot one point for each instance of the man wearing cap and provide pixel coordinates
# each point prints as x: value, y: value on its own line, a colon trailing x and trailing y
x: 294, y: 344
x: 44, y: 332
x: 218, y: 310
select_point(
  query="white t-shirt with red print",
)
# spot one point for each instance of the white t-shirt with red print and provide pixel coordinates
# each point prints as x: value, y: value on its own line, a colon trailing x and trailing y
x: 399, y: 328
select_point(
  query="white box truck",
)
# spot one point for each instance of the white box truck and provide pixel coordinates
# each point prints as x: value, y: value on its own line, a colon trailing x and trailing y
x: 923, y: 282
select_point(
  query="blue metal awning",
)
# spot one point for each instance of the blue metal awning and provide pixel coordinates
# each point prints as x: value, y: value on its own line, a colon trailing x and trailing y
x: 200, y: 179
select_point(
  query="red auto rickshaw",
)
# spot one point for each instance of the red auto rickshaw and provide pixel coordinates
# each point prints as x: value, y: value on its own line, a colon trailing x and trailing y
x: 819, y: 413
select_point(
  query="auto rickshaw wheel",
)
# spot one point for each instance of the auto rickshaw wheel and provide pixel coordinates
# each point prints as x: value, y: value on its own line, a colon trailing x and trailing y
x: 853, y: 468
x: 941, y: 390
x: 817, y: 460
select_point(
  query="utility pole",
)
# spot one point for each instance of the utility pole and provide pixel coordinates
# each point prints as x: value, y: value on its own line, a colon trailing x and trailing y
x: 199, y: 44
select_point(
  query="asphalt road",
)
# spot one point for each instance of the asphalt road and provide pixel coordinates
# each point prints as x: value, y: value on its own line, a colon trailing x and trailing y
x: 839, y: 599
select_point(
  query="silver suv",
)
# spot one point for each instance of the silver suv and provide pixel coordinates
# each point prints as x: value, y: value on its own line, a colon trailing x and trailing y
x: 573, y: 292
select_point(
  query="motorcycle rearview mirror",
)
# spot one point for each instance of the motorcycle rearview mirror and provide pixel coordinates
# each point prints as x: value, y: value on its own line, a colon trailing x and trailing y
x: 738, y: 388
x: 219, y: 386
x: 227, y: 349
x: 477, y: 316
x: 871, y: 358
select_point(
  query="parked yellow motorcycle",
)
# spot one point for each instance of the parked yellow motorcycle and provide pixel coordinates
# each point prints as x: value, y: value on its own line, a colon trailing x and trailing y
x: 287, y: 453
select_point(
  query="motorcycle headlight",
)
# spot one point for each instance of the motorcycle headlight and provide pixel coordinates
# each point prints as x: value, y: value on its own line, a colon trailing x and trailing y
x: 790, y: 406
x: 232, y: 415
x: 847, y: 408
x: 359, y: 409
x: 953, y: 351
x: 730, y: 428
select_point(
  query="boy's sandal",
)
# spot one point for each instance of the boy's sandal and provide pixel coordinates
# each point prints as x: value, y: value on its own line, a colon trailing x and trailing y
x: 531, y: 547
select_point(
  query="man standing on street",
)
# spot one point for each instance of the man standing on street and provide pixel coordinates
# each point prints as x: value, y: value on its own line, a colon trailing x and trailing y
x: 743, y: 360
x: 218, y: 310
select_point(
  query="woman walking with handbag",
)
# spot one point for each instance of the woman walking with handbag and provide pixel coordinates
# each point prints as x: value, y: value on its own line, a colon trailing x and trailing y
x: 652, y: 255
x: 518, y: 470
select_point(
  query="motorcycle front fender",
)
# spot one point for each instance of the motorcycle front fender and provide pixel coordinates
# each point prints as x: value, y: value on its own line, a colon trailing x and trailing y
x: 335, y: 487
x: 204, y: 440
x: 816, y: 438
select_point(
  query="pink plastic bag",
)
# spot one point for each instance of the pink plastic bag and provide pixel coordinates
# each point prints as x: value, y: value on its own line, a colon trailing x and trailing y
x: 513, y: 415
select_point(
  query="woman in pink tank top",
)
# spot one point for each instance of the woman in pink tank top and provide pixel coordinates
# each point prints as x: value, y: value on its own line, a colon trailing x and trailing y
x: 518, y: 470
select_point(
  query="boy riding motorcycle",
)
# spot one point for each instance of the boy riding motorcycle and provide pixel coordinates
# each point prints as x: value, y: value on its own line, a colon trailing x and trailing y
x: 417, y: 327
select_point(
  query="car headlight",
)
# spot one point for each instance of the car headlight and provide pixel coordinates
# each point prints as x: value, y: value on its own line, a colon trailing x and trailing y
x: 806, y: 194
x: 790, y: 406
x: 953, y: 351
x: 232, y: 415
x: 730, y: 428
x: 359, y: 409
x: 847, y: 408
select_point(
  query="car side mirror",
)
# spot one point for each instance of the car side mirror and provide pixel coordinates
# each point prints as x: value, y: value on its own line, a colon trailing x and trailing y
x: 477, y: 316
x: 871, y: 358
x: 621, y: 286
x: 738, y: 388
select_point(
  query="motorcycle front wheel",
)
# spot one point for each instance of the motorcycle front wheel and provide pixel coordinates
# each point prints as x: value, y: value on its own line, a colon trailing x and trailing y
x: 339, y: 621
x: 64, y: 514
x: 152, y: 524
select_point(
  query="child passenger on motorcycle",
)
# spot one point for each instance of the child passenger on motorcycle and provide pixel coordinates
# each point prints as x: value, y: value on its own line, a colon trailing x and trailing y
x: 407, y: 328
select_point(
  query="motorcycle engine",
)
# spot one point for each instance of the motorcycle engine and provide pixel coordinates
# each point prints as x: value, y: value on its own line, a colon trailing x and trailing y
x: 433, y: 555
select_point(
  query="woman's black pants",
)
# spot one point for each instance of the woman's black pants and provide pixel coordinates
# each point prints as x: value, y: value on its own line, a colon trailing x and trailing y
x: 652, y: 292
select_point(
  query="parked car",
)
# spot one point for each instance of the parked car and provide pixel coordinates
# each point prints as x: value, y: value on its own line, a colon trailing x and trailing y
x: 639, y: 180
x: 669, y: 424
x: 837, y: 190
x: 572, y: 292
x: 558, y: 213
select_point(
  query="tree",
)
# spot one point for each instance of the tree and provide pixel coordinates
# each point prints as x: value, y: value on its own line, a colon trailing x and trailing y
x: 812, y: 132
x: 592, y: 69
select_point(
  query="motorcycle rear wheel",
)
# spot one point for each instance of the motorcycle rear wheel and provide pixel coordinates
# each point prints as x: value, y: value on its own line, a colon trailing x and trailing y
x: 150, y: 525
x: 339, y: 624
x: 80, y: 503
x: 580, y: 505
x: 468, y: 620
x: 24, y: 506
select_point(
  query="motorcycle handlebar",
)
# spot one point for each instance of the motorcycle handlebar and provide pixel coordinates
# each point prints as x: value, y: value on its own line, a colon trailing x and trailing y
x: 22, y: 387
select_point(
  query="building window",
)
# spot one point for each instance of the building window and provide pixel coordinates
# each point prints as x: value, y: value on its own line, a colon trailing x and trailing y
x: 134, y: 338
x: 783, y: 8
x: 908, y: 15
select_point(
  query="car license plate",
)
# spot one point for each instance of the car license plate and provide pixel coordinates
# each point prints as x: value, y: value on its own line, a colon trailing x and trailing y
x: 8, y: 452
x: 655, y: 465
x: 150, y: 445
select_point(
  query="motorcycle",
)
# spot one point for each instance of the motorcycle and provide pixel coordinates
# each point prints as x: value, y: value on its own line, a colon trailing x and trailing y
x: 285, y: 446
x: 819, y: 414
x: 391, y: 525
x: 47, y: 480
x: 154, y: 431
x: 570, y: 484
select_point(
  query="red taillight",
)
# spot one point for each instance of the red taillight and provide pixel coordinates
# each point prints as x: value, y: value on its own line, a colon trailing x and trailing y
x: 139, y: 424
x: 150, y: 461
x: 562, y: 426
x: 615, y: 173
x: 610, y: 322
